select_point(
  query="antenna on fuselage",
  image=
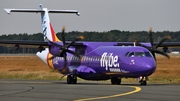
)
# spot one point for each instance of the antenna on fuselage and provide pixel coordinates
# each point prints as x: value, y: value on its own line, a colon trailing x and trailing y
x: 135, y: 41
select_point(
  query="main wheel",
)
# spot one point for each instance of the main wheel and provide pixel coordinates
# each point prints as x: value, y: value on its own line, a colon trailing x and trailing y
x: 113, y: 81
x: 74, y: 80
x: 116, y: 80
x: 69, y: 79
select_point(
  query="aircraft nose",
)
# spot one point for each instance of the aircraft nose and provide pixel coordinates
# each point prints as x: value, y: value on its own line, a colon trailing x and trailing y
x: 148, y: 67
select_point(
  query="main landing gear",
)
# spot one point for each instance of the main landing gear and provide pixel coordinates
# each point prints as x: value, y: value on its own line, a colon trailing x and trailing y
x: 115, y: 80
x: 143, y: 81
x: 71, y: 79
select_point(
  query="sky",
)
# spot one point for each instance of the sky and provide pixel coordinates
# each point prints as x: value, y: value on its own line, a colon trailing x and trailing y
x: 96, y: 15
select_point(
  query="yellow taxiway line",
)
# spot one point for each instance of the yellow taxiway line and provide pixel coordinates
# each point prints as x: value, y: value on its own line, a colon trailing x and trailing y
x: 137, y: 89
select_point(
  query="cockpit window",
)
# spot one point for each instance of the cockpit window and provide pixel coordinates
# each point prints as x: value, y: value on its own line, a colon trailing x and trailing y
x: 139, y: 54
x: 126, y: 54
x: 148, y: 54
x: 131, y: 54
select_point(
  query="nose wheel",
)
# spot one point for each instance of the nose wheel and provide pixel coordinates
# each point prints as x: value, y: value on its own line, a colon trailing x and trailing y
x: 143, y: 81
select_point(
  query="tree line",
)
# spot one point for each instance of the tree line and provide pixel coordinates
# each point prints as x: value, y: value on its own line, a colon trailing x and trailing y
x: 107, y: 36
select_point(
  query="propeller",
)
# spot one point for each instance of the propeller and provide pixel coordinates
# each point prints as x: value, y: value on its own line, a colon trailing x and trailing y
x: 16, y: 47
x: 153, y: 49
x: 64, y: 49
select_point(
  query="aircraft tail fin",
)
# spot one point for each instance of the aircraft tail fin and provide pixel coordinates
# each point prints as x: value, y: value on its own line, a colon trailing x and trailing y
x: 48, y: 31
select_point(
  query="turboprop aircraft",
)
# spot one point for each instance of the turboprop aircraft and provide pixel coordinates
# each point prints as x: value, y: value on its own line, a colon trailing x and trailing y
x: 93, y: 60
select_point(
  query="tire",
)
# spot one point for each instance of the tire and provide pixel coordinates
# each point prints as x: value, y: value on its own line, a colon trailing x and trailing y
x: 69, y: 79
x: 143, y: 83
x: 115, y: 80
x: 118, y: 81
x: 74, y: 80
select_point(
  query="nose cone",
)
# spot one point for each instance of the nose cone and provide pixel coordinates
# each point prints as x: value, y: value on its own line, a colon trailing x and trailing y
x: 146, y: 67
x: 149, y: 68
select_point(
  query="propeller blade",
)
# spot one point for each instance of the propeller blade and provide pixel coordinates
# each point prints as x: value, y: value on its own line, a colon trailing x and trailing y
x: 16, y: 47
x: 162, y: 53
x: 139, y: 44
x: 76, y: 54
x: 64, y: 70
x: 64, y: 48
x: 72, y: 52
x: 65, y: 59
x: 153, y: 49
x: 56, y: 55
x: 63, y: 35
x: 164, y: 39
x: 76, y: 39
x: 165, y: 49
x: 150, y: 37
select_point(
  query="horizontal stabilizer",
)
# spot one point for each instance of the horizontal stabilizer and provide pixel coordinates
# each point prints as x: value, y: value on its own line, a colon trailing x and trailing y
x: 64, y: 11
x: 39, y: 11
x: 23, y: 10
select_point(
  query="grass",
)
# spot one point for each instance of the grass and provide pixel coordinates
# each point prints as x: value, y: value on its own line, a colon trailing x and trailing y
x: 167, y: 70
x: 32, y: 68
x: 26, y: 67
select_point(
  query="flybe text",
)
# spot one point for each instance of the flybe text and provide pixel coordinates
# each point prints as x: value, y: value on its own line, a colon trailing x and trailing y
x: 108, y: 60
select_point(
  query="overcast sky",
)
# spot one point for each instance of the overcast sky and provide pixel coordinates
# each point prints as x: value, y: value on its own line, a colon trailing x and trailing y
x: 96, y: 15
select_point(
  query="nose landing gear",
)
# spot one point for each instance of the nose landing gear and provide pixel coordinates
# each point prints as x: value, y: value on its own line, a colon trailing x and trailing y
x: 143, y: 81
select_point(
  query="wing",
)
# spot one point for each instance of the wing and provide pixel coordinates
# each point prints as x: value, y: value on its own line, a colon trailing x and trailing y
x: 35, y: 43
x: 165, y: 44
x: 22, y: 43
x: 169, y: 44
x: 32, y: 43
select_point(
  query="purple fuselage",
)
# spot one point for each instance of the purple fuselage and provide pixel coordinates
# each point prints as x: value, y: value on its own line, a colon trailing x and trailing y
x: 104, y: 60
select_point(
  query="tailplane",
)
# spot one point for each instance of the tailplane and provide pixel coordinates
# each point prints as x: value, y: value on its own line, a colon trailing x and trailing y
x: 48, y: 31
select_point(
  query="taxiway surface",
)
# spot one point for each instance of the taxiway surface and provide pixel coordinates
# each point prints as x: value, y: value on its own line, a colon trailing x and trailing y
x: 29, y: 90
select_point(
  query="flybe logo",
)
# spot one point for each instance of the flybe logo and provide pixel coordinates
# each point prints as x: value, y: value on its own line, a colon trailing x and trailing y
x: 108, y: 60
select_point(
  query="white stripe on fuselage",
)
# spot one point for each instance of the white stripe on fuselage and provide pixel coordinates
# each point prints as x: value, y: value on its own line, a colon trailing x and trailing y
x: 111, y: 65
x: 106, y: 60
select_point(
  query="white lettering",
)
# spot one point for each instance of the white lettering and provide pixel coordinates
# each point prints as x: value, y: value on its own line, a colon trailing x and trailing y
x: 115, y: 61
x: 118, y: 70
x: 108, y: 60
